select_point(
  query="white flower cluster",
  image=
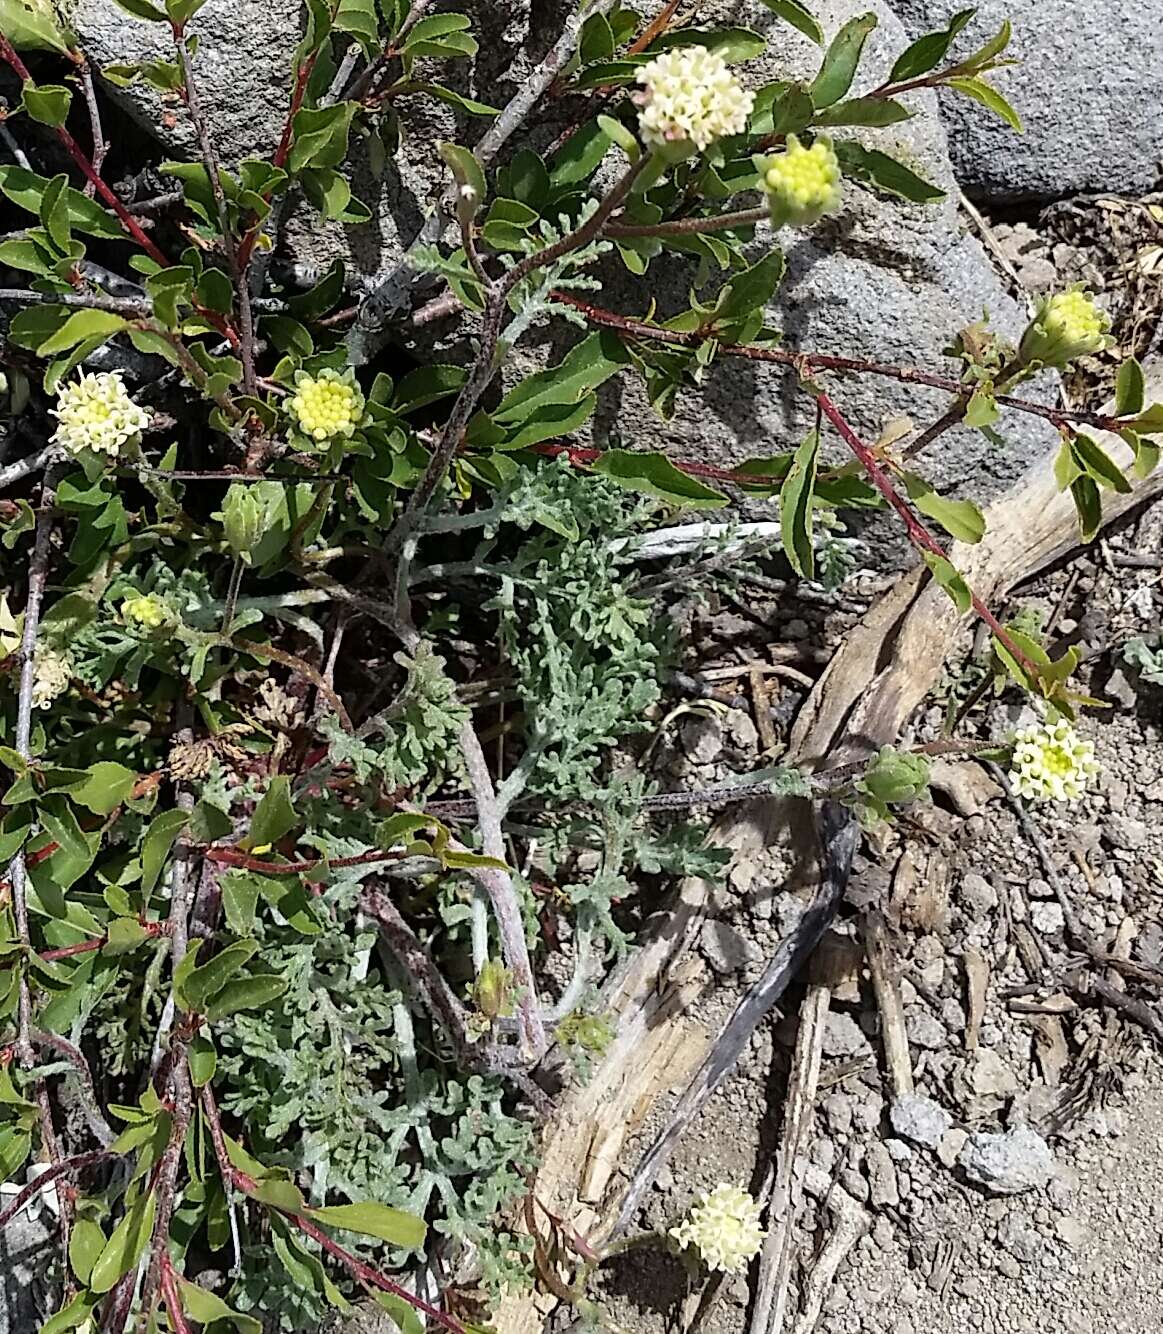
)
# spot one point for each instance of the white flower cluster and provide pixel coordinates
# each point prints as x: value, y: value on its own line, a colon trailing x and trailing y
x: 51, y: 674
x: 1051, y: 762
x: 724, y: 1228
x: 691, y: 98
x: 95, y: 412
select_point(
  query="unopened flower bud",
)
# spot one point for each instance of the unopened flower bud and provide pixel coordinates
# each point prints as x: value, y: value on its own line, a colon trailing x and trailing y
x: 243, y: 515
x: 1065, y: 326
x: 801, y: 184
x: 147, y: 611
x: 492, y: 991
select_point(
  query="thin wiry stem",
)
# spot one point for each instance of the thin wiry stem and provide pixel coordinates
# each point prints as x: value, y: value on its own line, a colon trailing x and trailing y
x: 210, y: 162
x: 100, y: 147
x: 498, y: 884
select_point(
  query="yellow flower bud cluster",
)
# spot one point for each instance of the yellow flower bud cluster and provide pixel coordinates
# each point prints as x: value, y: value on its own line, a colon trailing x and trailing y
x: 1051, y: 762
x: 327, y: 406
x: 691, y: 98
x: 1065, y: 326
x: 801, y: 184
x: 147, y: 611
x: 724, y: 1228
x: 95, y: 412
x: 51, y: 674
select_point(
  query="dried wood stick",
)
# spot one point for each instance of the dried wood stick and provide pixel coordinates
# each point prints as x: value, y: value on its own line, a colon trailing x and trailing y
x: 775, y: 1263
x: 851, y: 1224
x: 888, y: 1000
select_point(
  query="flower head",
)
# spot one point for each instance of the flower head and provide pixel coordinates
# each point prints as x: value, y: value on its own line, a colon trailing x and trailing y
x: 691, y: 98
x: 1051, y: 762
x: 801, y: 184
x: 1065, y: 326
x: 723, y: 1227
x: 51, y: 674
x: 95, y: 412
x: 327, y: 406
x: 147, y: 611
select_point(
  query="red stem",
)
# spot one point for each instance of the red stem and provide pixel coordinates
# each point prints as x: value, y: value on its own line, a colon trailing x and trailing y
x: 233, y: 857
x: 366, y: 1274
x: 64, y: 1168
x: 919, y: 535
x: 173, y: 1298
x: 806, y: 362
x: 127, y: 220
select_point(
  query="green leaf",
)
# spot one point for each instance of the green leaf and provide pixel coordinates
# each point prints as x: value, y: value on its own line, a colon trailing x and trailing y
x: 467, y: 173
x: 1099, y: 464
x: 123, y: 935
x: 78, y: 1314
x: 24, y: 253
x: 86, y: 1242
x: 841, y: 59
x: 961, y: 519
x: 733, y: 44
x: 874, y: 111
x: 1066, y: 466
x: 359, y: 18
x: 981, y: 411
x: 274, y: 816
x: 330, y: 193
x: 77, y: 850
x: 203, y: 1060
x: 793, y: 111
x: 206, y: 1307
x: 750, y: 290
x: 125, y: 1247
x: 655, y: 475
x: 927, y: 52
x: 31, y: 25
x: 404, y: 1316
x: 974, y: 86
x: 1149, y: 422
x: 1088, y: 503
x: 155, y: 848
x: 795, y: 507
x: 215, y: 291
x: 240, y: 894
x: 586, y: 366
x: 456, y: 99
x: 313, y: 304
x: 15, y: 1146
x: 246, y: 993
x: 48, y: 103
x: 443, y: 36
x: 993, y: 48
x: 80, y: 326
x: 206, y: 981
x: 621, y: 135
x: 54, y: 213
x: 885, y: 173
x: 947, y: 577
x: 1129, y: 388
x: 320, y: 136
x: 26, y: 189
x: 107, y: 787
x: 1146, y: 454
x: 371, y: 1219
x: 791, y: 11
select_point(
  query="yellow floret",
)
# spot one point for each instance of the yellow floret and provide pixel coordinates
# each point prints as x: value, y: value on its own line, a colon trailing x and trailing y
x: 1065, y: 326
x: 1051, y: 762
x: 327, y: 406
x: 95, y: 412
x: 724, y: 1228
x: 802, y: 184
x: 147, y: 611
x: 691, y: 99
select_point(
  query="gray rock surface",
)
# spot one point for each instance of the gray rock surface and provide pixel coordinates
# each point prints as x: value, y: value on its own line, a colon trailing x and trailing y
x: 242, y: 69
x: 920, y: 1119
x: 25, y: 1249
x: 1087, y: 91
x: 1007, y: 1164
x: 726, y: 949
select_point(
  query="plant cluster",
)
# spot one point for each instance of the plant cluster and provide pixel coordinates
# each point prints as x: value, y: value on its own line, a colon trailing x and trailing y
x: 306, y: 649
